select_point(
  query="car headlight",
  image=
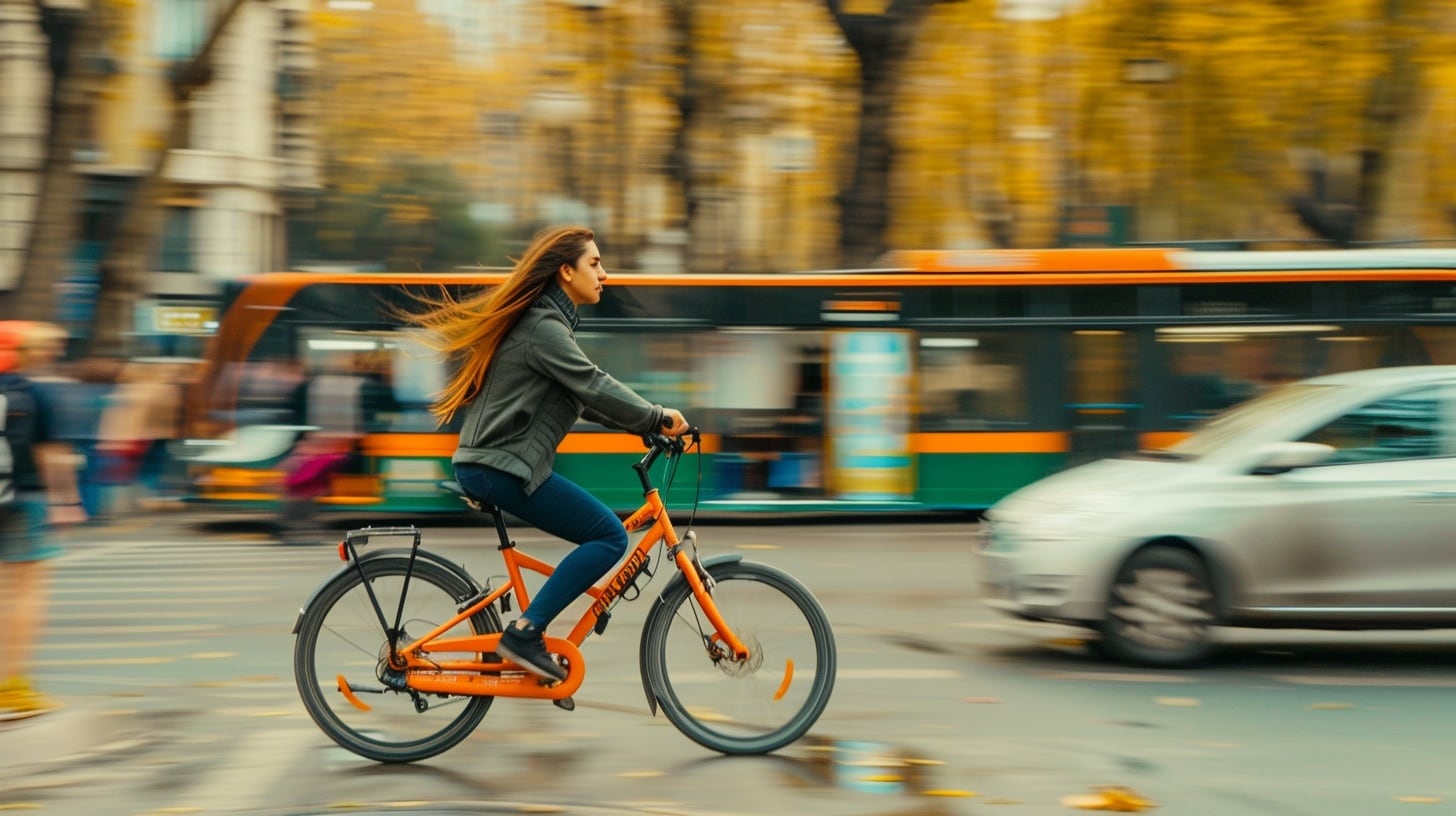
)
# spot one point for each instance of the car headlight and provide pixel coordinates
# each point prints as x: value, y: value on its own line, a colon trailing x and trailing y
x: 1072, y: 522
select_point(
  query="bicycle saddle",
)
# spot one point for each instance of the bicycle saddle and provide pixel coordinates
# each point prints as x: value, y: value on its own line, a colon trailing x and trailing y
x: 454, y: 487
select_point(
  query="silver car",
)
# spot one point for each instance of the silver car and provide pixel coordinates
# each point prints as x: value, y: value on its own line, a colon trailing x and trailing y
x: 1327, y: 504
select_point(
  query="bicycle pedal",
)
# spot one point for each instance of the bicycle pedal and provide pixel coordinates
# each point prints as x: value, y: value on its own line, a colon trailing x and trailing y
x: 565, y: 704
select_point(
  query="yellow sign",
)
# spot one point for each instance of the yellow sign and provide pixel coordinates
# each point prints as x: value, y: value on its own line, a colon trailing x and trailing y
x: 184, y: 319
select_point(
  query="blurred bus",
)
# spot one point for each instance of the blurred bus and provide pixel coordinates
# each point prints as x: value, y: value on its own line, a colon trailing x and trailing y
x: 942, y: 381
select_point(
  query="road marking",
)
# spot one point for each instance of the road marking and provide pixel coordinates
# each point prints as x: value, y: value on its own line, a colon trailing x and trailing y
x: 198, y: 602
x: 108, y: 661
x: 1118, y: 677
x: 116, y: 644
x: 898, y: 674
x: 1355, y: 680
x: 150, y: 629
x: 91, y: 616
x: 63, y: 589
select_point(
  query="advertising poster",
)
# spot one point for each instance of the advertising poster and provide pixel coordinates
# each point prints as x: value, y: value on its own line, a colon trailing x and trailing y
x: 869, y: 415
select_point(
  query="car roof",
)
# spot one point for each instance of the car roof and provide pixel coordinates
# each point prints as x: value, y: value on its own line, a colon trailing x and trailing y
x: 1394, y: 375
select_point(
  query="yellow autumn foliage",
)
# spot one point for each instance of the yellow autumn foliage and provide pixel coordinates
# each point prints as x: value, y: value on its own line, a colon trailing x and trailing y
x: 1195, y: 115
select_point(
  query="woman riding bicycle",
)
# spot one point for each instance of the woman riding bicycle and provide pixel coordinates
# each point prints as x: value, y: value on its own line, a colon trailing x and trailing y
x: 522, y: 383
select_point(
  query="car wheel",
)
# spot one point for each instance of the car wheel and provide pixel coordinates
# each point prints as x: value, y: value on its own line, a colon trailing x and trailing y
x: 1160, y: 609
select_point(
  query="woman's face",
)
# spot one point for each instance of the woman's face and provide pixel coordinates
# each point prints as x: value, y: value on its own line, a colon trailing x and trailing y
x: 583, y: 280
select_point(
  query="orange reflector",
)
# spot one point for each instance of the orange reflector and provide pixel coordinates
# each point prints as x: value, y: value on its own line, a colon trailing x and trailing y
x: 788, y: 678
x: 350, y: 696
x: 343, y: 552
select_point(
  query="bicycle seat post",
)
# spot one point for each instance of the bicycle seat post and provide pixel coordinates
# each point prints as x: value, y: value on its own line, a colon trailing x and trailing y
x: 500, y: 528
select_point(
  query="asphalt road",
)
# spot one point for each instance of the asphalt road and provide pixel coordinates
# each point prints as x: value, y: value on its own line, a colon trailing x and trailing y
x: 169, y: 643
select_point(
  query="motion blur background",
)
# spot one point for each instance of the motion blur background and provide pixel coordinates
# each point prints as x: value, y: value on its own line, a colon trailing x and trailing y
x: 152, y: 149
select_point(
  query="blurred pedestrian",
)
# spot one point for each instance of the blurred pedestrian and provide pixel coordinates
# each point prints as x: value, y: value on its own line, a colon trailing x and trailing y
x: 142, y: 418
x: 331, y: 403
x: 84, y: 402
x: 41, y: 491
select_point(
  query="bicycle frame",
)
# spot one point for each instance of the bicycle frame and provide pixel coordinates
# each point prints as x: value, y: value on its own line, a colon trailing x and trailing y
x: 476, y: 677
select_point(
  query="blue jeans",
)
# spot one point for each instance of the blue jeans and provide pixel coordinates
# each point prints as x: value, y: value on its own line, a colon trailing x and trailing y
x: 559, y: 507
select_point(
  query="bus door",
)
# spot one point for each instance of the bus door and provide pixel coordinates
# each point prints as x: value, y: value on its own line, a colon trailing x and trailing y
x: 1102, y: 414
x: 868, y: 415
x: 765, y: 392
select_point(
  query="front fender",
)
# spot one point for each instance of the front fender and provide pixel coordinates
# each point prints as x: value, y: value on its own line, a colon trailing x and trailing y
x: 393, y: 552
x: 647, y: 671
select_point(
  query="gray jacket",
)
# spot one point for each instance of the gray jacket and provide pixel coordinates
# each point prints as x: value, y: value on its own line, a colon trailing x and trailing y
x: 538, y: 384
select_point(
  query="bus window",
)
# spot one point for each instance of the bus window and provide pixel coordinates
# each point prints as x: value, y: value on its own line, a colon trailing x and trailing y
x: 416, y: 374
x: 410, y: 372
x: 659, y: 366
x: 1216, y: 366
x: 972, y: 381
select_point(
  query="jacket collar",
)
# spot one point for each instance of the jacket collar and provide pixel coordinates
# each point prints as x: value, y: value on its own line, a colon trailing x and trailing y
x: 557, y: 297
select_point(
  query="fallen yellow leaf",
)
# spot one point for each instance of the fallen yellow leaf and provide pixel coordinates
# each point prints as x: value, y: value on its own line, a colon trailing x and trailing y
x: 1112, y: 798
x: 1179, y: 701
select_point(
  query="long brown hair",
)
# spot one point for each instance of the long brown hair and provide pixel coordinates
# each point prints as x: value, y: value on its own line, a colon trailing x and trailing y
x: 471, y: 330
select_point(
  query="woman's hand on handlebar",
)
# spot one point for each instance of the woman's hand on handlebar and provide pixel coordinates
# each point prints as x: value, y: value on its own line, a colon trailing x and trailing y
x: 673, y: 423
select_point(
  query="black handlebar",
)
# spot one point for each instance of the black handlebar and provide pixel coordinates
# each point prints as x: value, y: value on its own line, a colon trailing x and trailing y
x: 662, y: 443
x: 658, y: 444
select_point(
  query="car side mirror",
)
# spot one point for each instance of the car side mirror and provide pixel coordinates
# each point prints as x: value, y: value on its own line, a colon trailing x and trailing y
x: 1282, y: 457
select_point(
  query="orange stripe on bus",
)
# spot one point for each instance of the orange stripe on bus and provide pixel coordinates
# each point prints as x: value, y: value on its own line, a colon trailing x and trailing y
x: 1056, y: 260
x: 621, y: 443
x: 415, y: 444
x: 442, y: 445
x: 1160, y: 440
x: 991, y: 442
x: 862, y: 305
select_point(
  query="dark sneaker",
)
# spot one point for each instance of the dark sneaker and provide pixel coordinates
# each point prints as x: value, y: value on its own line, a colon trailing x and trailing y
x: 526, y: 646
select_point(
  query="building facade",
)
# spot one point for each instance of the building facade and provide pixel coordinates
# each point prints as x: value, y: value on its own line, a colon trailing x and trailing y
x: 247, y: 157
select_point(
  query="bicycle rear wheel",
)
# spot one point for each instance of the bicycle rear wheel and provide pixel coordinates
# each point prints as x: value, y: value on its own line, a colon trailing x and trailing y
x: 340, y: 635
x: 749, y: 707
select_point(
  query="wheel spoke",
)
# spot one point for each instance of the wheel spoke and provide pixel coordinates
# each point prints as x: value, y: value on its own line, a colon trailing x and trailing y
x: 753, y: 705
x: 341, y: 626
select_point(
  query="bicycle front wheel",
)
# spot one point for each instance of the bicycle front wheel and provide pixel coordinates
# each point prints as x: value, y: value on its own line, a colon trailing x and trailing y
x: 341, y: 650
x: 741, y: 707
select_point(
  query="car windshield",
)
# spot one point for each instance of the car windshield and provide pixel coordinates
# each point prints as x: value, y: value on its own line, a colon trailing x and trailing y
x: 1218, y: 430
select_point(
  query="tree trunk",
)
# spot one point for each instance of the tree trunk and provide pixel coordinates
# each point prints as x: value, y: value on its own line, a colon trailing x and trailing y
x: 1392, y: 100
x: 680, y: 164
x: 74, y: 39
x: 125, y: 264
x: 881, y: 41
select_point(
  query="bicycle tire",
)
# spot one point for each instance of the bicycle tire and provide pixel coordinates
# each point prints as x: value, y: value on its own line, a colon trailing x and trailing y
x: 758, y: 706
x: 339, y: 634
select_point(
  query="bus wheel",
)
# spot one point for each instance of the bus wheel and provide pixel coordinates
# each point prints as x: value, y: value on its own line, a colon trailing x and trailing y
x: 1161, y: 609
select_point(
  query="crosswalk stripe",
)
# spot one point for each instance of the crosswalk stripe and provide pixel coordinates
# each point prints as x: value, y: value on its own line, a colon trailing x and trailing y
x: 212, y: 589
x: 56, y: 646
x: 104, y: 661
x: 148, y: 629
x: 198, y: 601
x: 92, y: 616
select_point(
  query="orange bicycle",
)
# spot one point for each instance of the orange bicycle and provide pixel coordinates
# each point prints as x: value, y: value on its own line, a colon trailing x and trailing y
x: 395, y: 653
